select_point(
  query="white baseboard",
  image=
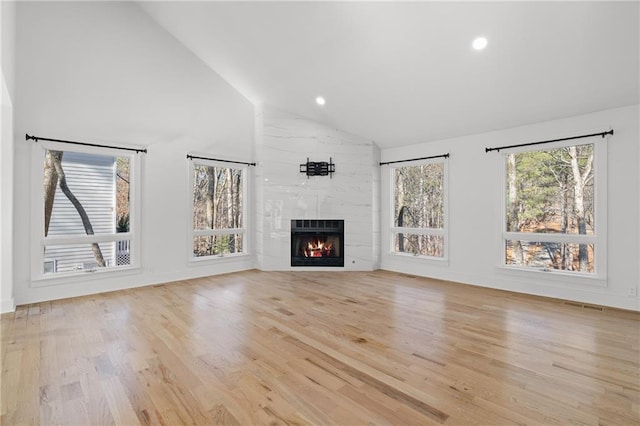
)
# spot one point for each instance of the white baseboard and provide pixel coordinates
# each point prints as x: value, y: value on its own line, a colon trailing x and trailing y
x: 132, y: 280
x: 7, y: 305
x: 595, y: 296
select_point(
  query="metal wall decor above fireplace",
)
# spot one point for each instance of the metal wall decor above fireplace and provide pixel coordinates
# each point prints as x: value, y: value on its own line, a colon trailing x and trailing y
x: 317, y: 242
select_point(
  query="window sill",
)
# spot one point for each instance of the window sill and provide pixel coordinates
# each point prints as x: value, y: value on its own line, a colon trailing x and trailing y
x: 87, y: 275
x: 420, y: 258
x: 196, y: 261
x: 596, y: 280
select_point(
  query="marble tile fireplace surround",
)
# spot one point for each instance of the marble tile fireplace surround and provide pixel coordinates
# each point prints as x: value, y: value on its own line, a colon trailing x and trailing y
x: 284, y: 196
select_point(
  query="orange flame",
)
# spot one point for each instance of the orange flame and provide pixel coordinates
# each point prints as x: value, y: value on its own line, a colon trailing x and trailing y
x: 316, y: 248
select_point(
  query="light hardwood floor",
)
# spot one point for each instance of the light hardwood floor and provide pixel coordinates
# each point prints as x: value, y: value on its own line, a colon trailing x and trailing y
x: 318, y: 348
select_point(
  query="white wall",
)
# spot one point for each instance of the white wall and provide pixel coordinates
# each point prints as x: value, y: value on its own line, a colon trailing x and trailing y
x: 105, y: 72
x: 283, y: 142
x: 7, y: 43
x: 6, y: 202
x: 7, y: 54
x: 475, y: 192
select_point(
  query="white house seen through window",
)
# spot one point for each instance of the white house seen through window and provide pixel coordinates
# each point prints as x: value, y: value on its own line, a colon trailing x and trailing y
x: 218, y: 210
x: 86, y: 211
x: 550, y: 216
x: 419, y: 210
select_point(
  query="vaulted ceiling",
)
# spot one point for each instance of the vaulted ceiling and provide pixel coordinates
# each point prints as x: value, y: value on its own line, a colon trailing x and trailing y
x: 401, y: 73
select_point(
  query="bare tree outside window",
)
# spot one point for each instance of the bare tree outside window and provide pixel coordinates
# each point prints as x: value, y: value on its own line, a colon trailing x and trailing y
x: 551, y: 192
x: 217, y: 205
x: 79, y: 194
x: 123, y: 194
x: 418, y: 208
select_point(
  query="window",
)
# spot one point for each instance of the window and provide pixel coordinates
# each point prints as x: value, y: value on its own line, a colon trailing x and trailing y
x: 553, y: 207
x: 87, y: 210
x: 218, y: 202
x: 420, y: 210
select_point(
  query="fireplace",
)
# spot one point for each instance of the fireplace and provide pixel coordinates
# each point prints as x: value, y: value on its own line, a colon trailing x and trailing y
x: 317, y: 242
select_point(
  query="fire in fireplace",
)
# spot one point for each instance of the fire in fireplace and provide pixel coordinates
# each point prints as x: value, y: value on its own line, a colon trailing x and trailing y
x: 318, y: 248
x: 317, y: 242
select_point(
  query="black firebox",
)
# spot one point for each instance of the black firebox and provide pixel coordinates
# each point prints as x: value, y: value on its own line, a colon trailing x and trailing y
x: 317, y: 242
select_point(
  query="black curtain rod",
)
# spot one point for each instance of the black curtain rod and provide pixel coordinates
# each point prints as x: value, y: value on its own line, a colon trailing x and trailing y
x: 38, y: 138
x: 191, y: 157
x: 416, y: 159
x: 603, y: 134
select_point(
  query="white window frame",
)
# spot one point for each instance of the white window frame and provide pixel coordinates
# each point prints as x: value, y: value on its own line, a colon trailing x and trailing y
x: 39, y: 241
x: 192, y: 232
x: 444, y: 232
x: 599, y: 238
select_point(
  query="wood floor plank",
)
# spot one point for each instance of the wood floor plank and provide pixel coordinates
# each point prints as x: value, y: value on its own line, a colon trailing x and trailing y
x: 320, y: 348
x: 119, y: 405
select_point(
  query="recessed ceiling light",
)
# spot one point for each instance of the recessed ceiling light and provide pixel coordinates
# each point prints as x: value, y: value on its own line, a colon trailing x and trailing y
x: 479, y: 43
x: 320, y: 100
